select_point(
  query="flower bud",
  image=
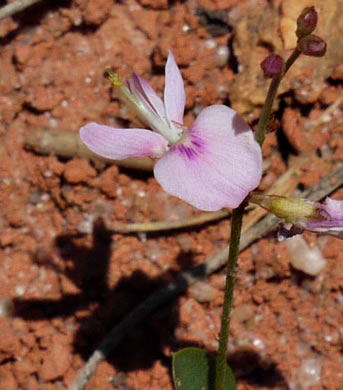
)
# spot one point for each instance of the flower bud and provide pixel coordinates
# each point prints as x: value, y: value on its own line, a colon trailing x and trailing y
x: 307, y: 22
x: 288, y: 209
x: 304, y: 214
x: 313, y: 46
x: 273, y: 65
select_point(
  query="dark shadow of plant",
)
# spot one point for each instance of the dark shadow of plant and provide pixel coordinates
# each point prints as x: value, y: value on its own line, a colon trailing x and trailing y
x: 98, y: 309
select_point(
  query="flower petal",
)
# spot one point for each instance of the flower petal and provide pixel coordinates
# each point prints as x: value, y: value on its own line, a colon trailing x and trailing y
x: 174, y: 91
x: 118, y: 144
x: 217, y: 165
x: 147, y: 95
x: 332, y: 218
x: 334, y: 208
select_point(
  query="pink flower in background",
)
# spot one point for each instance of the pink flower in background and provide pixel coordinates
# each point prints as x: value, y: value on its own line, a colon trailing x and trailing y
x: 213, y: 164
x: 330, y: 218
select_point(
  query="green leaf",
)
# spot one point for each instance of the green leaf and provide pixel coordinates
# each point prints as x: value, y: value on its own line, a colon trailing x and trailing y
x: 194, y: 369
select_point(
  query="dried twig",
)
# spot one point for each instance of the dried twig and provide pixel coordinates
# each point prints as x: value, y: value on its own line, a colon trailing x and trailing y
x: 171, y: 290
x: 15, y: 7
x: 170, y: 225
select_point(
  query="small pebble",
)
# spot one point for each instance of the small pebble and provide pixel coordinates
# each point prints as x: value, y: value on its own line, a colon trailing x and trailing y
x: 210, y: 43
x: 303, y: 258
x: 243, y: 312
x: 222, y: 55
x: 20, y: 291
x: 85, y: 226
x: 310, y: 373
x: 186, y: 28
x: 202, y: 292
x: 258, y: 343
x: 7, y: 308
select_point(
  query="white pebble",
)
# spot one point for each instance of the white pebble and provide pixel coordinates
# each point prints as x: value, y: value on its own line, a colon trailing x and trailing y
x: 304, y: 258
x: 222, y: 91
x: 141, y: 193
x: 258, y: 343
x: 222, y: 55
x: 186, y: 28
x: 210, y: 44
x: 85, y: 226
x: 202, y: 292
x: 53, y: 123
x: 326, y: 118
x: 45, y: 197
x: 48, y: 174
x: 310, y: 373
x: 20, y: 291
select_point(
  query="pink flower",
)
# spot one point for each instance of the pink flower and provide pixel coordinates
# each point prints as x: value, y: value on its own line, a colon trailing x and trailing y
x: 330, y: 218
x: 213, y: 164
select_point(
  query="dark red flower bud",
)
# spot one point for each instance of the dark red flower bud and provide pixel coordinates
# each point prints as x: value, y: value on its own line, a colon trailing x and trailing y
x: 273, y: 65
x: 307, y: 22
x: 313, y: 46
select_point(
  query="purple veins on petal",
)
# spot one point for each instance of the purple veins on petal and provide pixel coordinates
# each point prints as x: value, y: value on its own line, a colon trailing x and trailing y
x: 188, y: 151
x: 199, y: 165
x: 203, y: 169
x: 192, y: 148
x: 197, y: 141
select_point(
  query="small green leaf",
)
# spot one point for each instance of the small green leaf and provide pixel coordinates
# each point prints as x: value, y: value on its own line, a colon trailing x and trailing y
x: 194, y: 369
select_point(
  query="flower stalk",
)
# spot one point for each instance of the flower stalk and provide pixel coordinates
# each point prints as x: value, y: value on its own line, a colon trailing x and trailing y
x: 262, y: 127
x: 272, y: 67
x: 236, y: 229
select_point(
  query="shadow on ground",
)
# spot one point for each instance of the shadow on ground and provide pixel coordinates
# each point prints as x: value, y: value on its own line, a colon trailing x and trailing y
x: 106, y: 308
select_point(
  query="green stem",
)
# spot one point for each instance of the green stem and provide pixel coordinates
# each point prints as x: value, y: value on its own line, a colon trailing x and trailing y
x: 262, y: 127
x: 236, y: 228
